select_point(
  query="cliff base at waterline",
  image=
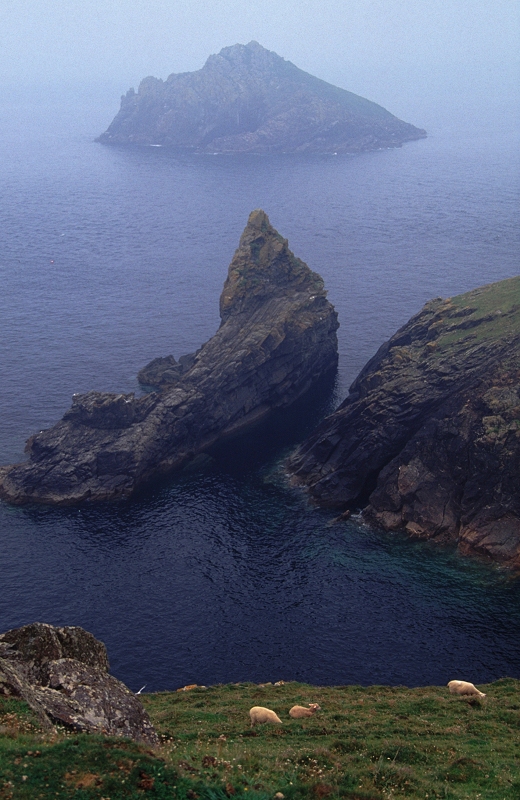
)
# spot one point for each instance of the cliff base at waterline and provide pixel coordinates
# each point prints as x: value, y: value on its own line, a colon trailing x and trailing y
x: 276, y: 341
x: 428, y: 439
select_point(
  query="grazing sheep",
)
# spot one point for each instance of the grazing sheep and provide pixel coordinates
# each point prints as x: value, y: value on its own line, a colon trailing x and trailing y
x: 464, y: 688
x: 299, y: 712
x: 260, y: 715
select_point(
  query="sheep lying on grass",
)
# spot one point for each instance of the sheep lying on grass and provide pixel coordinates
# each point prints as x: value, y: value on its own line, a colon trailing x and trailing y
x: 299, y: 712
x: 464, y: 688
x: 259, y: 715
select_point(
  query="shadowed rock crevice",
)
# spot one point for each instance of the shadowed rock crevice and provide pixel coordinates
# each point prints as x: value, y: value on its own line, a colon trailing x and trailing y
x: 277, y: 340
x: 429, y: 437
x: 247, y: 99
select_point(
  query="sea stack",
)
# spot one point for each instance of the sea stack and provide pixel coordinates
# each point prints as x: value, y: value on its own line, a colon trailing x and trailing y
x: 248, y: 99
x: 428, y: 439
x: 277, y: 340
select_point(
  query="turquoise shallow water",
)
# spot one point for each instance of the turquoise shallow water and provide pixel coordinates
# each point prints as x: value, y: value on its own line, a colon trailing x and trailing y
x: 112, y: 257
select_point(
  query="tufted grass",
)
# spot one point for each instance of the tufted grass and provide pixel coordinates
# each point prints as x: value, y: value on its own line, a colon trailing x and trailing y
x: 366, y: 743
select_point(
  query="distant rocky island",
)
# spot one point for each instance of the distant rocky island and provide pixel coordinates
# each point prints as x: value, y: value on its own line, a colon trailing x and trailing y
x: 277, y: 340
x: 248, y: 99
x: 428, y: 440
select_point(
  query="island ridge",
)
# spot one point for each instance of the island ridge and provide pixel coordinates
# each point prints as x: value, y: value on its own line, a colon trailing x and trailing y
x: 247, y: 99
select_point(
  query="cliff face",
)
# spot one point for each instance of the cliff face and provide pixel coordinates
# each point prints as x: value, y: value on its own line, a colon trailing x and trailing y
x: 277, y: 339
x: 429, y: 437
x: 248, y: 99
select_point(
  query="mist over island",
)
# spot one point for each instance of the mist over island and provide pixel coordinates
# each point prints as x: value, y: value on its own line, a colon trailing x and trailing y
x: 247, y: 99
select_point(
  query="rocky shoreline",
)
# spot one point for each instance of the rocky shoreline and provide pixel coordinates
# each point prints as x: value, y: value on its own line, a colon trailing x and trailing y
x: 428, y: 440
x: 276, y: 341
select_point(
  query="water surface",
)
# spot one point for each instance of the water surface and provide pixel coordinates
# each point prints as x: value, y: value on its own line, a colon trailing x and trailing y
x: 111, y: 257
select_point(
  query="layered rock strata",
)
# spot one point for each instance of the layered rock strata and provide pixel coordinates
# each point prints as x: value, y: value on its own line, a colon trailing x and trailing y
x: 62, y: 673
x: 428, y: 439
x: 247, y: 99
x: 277, y: 340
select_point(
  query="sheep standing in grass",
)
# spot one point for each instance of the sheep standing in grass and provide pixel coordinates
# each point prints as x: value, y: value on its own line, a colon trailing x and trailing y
x: 464, y: 688
x: 259, y: 715
x: 299, y: 712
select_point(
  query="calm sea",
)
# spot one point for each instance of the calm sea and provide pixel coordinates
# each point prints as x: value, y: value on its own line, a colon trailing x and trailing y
x: 111, y: 257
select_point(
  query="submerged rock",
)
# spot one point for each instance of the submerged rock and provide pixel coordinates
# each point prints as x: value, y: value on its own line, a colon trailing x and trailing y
x: 276, y: 341
x: 62, y: 673
x: 428, y: 439
x: 248, y: 99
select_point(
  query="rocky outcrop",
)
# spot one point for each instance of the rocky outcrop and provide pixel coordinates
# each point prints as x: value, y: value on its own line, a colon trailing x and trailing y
x: 62, y: 673
x: 277, y: 339
x: 247, y: 99
x: 429, y: 437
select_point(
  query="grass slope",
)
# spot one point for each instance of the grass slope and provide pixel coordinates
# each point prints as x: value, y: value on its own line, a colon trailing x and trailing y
x: 366, y: 743
x: 489, y: 313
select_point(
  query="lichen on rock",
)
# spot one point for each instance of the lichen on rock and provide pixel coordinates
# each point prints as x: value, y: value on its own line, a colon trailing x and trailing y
x: 62, y: 673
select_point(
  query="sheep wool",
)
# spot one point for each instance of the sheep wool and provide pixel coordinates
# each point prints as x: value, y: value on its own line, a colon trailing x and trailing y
x: 259, y: 715
x: 300, y: 712
x: 464, y: 688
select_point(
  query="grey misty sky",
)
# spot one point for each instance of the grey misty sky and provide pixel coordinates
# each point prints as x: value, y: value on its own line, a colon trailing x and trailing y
x: 404, y: 54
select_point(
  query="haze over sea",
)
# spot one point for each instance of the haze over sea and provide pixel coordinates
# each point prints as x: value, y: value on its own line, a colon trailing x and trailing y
x: 111, y: 257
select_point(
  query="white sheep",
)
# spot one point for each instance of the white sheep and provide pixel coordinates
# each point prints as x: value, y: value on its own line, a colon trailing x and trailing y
x: 259, y: 714
x: 464, y: 688
x: 299, y: 712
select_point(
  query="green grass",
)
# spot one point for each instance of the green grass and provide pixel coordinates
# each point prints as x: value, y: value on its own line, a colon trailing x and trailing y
x: 503, y: 295
x: 374, y: 742
x: 489, y: 313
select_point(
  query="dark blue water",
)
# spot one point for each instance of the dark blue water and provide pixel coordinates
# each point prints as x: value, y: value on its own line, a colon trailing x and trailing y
x: 110, y: 257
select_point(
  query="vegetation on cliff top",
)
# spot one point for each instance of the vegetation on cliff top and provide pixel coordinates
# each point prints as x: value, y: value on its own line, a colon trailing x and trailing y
x: 366, y: 743
x: 489, y: 313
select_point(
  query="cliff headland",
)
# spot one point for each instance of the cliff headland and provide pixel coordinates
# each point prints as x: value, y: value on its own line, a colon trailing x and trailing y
x: 277, y: 340
x: 247, y: 99
x: 69, y: 729
x: 428, y: 439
